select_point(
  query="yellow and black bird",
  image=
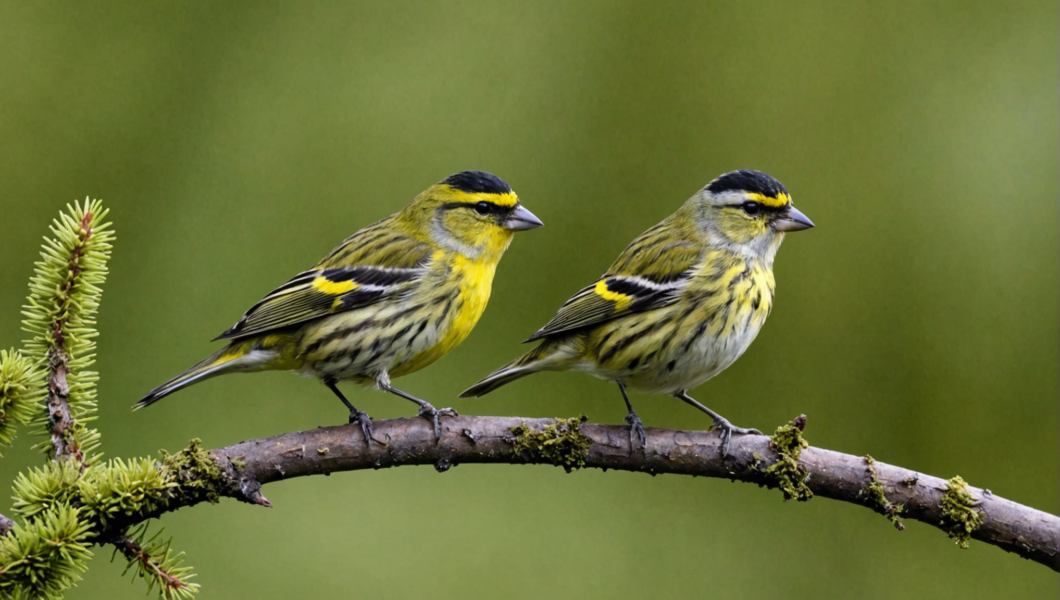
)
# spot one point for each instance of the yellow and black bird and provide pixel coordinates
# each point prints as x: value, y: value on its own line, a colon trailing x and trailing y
x: 389, y: 300
x: 682, y: 302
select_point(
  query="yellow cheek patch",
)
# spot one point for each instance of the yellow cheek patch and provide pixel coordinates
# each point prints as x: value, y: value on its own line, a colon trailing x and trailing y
x: 621, y: 300
x: 781, y: 199
x: 508, y: 200
x: 334, y: 288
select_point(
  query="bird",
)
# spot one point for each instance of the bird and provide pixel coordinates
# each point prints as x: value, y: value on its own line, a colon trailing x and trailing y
x: 388, y: 301
x: 680, y: 304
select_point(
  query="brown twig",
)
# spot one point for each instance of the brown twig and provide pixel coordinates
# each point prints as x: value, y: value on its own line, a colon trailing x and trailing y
x: 133, y: 551
x: 246, y: 466
x: 64, y: 443
x: 59, y: 415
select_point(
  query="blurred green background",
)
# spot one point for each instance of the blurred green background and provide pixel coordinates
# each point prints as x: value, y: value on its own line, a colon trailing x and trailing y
x: 237, y: 143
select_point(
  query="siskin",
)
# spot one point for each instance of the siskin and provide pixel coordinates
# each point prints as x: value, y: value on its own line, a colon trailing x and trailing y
x: 389, y: 300
x: 682, y: 302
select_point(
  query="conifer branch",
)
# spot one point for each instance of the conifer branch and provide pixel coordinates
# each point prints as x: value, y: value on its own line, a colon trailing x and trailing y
x: 20, y: 393
x: 44, y: 557
x: 153, y: 561
x: 59, y: 315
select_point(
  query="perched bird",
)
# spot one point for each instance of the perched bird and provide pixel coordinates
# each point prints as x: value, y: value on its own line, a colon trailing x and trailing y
x: 682, y: 302
x: 389, y: 300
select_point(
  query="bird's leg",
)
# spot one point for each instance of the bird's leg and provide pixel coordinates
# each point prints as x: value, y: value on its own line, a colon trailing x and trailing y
x: 720, y: 422
x: 356, y: 416
x: 426, y: 410
x: 637, y: 437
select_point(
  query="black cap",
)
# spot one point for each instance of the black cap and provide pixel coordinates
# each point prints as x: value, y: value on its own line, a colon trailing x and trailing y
x: 746, y: 180
x: 478, y: 182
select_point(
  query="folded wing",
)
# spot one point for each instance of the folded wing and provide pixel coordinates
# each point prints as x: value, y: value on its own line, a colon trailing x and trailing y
x: 369, y: 267
x: 650, y: 273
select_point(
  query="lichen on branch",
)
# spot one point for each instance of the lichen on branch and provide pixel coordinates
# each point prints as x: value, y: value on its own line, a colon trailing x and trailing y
x: 561, y: 443
x: 786, y: 472
x: 876, y: 497
x: 961, y: 510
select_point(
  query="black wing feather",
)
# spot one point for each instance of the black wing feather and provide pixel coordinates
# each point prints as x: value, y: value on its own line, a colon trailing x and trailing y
x: 318, y: 293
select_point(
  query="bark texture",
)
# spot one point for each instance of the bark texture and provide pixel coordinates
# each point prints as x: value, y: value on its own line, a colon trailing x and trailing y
x: 1026, y: 531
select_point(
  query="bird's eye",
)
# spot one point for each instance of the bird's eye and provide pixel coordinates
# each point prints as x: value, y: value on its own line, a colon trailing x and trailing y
x: 482, y: 208
x: 750, y: 207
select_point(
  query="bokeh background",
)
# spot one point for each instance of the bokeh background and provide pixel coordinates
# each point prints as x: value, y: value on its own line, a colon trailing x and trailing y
x: 236, y: 143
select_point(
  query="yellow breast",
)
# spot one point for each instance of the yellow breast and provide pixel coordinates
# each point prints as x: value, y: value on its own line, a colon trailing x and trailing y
x: 473, y: 281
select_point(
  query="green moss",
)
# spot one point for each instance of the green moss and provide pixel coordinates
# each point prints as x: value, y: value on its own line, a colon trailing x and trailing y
x: 562, y: 443
x: 877, y: 499
x: 196, y: 475
x: 789, y: 476
x: 961, y: 510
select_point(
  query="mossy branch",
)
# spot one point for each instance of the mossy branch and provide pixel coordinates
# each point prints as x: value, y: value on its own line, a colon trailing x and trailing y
x: 239, y: 471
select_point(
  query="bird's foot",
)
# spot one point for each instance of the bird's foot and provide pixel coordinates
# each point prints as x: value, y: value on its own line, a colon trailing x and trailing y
x: 433, y: 415
x: 637, y: 436
x: 727, y: 429
x: 361, y: 418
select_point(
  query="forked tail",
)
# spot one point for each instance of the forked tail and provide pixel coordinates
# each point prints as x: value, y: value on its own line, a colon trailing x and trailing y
x: 542, y: 358
x: 240, y: 356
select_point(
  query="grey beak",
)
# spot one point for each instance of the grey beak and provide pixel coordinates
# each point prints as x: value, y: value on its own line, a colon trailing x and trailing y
x: 521, y: 219
x: 792, y: 220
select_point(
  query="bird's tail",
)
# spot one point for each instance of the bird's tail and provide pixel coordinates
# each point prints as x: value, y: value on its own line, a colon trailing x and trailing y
x: 239, y: 356
x: 546, y: 357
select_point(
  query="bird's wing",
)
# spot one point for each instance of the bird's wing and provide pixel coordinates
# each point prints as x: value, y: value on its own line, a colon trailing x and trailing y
x: 650, y: 273
x: 373, y: 264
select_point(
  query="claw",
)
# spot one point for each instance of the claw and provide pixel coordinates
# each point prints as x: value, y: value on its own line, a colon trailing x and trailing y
x: 727, y: 429
x: 361, y: 418
x: 637, y: 436
x: 433, y: 415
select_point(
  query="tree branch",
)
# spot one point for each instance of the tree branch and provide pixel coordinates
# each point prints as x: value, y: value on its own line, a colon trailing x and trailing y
x: 890, y: 490
x: 60, y: 418
x: 169, y: 578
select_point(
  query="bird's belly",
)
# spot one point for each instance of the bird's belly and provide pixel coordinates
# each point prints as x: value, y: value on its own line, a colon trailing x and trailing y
x: 361, y: 344
x: 677, y: 356
x: 458, y: 328
x: 703, y: 359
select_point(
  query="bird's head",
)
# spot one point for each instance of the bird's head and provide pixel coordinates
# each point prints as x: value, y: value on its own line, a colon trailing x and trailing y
x: 472, y: 212
x: 748, y: 211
